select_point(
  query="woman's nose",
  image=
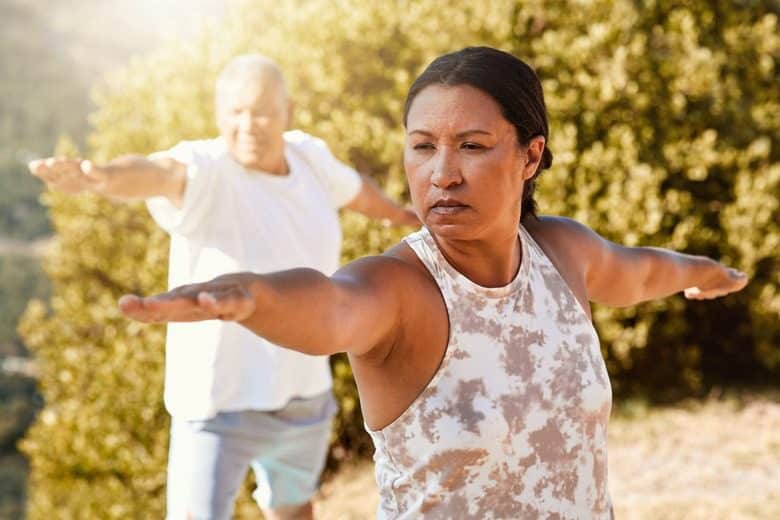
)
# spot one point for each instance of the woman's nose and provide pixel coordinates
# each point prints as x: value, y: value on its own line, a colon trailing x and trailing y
x: 446, y: 170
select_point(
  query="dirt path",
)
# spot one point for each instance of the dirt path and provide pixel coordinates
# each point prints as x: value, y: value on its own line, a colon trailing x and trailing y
x: 718, y: 460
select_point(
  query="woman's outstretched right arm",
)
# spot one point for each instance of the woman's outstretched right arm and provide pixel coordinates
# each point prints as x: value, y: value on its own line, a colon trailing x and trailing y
x: 357, y: 310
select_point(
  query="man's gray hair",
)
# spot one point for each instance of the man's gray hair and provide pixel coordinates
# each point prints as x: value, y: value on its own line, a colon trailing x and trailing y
x: 251, y: 68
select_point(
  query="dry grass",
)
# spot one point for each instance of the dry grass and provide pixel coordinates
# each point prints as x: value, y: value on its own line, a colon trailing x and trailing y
x: 714, y: 460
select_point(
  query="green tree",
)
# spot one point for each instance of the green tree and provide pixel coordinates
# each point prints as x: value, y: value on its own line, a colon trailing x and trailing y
x: 665, y: 132
x: 21, y: 278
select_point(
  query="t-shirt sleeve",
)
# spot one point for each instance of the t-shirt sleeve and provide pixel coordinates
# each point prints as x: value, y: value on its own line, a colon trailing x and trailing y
x: 342, y: 182
x: 200, y: 188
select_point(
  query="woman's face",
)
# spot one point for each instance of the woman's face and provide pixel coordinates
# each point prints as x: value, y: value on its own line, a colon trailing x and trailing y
x: 464, y: 163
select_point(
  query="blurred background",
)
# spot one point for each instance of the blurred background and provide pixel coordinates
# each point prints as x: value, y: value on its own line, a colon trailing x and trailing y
x: 665, y: 131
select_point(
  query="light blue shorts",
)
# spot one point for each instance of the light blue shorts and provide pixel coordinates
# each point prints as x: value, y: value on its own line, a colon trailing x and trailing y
x: 286, y: 448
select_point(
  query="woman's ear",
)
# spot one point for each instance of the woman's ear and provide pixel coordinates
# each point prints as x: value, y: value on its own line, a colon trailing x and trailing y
x: 533, y: 156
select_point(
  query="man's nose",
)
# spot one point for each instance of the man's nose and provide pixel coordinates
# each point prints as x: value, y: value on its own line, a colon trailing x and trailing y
x: 249, y: 122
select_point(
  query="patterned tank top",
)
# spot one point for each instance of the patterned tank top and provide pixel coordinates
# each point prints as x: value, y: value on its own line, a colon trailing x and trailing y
x: 514, y: 422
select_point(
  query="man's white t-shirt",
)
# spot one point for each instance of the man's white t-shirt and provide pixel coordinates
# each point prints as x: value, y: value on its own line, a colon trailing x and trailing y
x: 238, y: 220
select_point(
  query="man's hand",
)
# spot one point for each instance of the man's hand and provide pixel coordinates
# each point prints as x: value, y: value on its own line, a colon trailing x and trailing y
x: 373, y: 203
x: 224, y: 298
x: 724, y: 280
x: 71, y: 175
x: 405, y: 217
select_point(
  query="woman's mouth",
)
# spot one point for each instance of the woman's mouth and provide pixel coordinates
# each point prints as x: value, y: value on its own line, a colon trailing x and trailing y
x: 448, y: 207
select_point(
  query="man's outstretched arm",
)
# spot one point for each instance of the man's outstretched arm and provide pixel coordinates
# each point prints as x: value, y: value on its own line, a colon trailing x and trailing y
x: 372, y: 202
x: 131, y: 177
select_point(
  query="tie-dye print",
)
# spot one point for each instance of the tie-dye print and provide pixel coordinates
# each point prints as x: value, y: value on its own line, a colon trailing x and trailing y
x: 514, y: 422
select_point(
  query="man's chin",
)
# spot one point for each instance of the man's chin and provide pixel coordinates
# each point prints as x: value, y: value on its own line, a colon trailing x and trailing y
x: 251, y: 160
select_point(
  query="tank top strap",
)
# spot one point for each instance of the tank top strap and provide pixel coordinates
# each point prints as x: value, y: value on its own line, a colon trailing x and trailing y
x: 535, y: 251
x: 424, y: 246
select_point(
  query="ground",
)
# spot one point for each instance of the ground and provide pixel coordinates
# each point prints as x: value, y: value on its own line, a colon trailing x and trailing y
x: 718, y: 459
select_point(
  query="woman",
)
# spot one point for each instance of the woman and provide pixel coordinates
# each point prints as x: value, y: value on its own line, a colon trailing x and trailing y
x: 479, y: 370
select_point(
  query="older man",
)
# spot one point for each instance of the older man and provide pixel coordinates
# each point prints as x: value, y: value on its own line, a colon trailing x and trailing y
x: 261, y: 199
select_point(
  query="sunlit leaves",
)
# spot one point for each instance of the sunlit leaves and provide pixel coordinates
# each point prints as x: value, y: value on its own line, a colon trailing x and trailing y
x: 665, y: 127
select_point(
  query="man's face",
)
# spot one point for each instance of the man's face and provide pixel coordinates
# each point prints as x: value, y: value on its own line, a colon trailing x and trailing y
x: 252, y: 117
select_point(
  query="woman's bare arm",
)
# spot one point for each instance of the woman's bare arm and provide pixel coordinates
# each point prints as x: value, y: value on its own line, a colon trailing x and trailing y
x: 621, y: 276
x: 356, y: 310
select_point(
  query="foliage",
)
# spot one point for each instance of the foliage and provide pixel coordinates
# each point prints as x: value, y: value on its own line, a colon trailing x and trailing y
x: 21, y: 278
x: 664, y: 130
x: 13, y: 470
x: 22, y: 217
x: 18, y: 404
x: 28, y: 126
x: 666, y: 133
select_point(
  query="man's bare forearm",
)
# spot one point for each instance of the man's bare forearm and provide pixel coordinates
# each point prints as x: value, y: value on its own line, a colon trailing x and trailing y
x: 372, y: 202
x: 135, y: 177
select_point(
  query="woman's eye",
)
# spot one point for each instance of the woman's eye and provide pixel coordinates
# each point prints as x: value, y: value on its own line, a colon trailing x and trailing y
x: 423, y: 146
x: 472, y: 146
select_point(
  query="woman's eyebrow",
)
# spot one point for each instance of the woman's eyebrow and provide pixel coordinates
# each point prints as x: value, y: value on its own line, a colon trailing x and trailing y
x: 459, y: 134
x: 466, y: 133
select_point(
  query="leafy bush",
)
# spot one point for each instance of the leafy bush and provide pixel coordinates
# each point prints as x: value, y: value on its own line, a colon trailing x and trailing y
x: 21, y: 278
x: 664, y: 130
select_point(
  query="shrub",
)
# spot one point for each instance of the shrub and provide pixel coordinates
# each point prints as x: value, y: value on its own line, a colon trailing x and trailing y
x: 664, y: 130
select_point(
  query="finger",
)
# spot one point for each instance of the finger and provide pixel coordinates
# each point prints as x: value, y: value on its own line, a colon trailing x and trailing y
x: 93, y: 172
x: 51, y: 170
x: 160, y: 309
x: 228, y: 305
x: 706, y: 295
x: 36, y: 167
x: 133, y: 307
x: 41, y: 168
x: 129, y: 303
x: 54, y: 170
x: 739, y: 278
x: 209, y: 302
x: 163, y: 308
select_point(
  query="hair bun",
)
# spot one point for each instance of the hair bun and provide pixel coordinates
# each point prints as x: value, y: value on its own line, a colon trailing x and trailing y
x: 547, y: 159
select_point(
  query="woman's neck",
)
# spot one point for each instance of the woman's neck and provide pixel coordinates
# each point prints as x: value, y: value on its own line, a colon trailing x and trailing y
x: 492, y: 262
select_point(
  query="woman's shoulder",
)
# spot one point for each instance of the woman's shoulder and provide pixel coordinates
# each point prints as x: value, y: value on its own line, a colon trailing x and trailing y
x: 397, y: 266
x: 561, y: 234
x: 571, y: 247
x: 555, y: 226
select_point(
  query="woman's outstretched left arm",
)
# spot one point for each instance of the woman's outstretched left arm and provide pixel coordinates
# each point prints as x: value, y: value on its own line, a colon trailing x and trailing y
x: 620, y: 276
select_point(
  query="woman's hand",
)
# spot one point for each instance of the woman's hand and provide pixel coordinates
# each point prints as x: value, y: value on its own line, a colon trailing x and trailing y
x: 722, y: 281
x: 225, y: 298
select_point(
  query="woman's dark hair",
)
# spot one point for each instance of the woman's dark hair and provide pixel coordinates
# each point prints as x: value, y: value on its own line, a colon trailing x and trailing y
x: 508, y: 80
